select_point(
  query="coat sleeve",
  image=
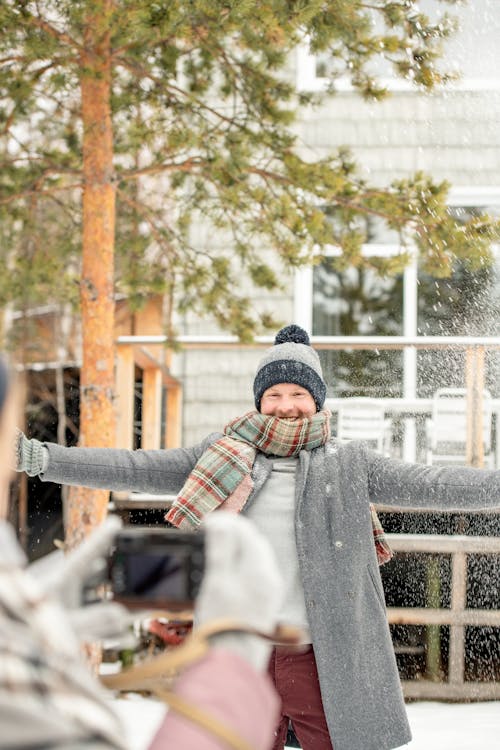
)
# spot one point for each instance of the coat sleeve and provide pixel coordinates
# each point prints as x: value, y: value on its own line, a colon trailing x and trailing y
x: 155, y: 471
x: 225, y: 686
x: 451, y: 488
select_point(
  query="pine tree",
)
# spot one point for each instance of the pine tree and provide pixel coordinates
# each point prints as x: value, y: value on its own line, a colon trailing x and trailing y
x: 166, y: 113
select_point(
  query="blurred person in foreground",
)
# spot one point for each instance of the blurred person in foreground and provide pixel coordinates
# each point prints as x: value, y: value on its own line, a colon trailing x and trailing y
x: 312, y: 496
x: 49, y: 699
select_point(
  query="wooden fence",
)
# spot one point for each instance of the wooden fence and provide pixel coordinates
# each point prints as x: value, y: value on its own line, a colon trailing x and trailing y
x: 458, y: 617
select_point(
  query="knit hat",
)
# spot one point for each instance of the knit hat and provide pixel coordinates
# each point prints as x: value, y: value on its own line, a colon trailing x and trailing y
x: 290, y: 360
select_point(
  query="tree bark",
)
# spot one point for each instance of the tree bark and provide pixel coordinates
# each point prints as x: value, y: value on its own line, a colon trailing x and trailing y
x: 87, y: 508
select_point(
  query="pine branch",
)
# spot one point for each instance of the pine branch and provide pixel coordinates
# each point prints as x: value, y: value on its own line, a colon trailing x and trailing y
x: 35, y: 192
x: 141, y: 71
x: 50, y: 30
x: 187, y: 165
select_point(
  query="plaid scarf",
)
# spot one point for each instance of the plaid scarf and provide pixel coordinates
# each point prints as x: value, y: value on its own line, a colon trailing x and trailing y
x: 223, y: 473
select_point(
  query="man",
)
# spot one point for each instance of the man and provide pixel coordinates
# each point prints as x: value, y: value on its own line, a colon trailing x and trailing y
x: 312, y: 496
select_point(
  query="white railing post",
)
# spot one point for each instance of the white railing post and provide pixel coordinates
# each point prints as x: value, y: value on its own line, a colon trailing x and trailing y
x: 410, y: 310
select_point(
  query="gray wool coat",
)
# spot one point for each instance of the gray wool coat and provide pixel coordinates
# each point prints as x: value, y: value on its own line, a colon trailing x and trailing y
x: 335, y: 484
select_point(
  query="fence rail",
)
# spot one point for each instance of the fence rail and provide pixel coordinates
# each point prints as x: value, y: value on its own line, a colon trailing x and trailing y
x: 458, y: 617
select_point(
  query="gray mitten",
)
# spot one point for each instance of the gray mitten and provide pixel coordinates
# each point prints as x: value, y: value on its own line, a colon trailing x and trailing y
x: 64, y: 576
x: 31, y: 455
x: 102, y: 620
x: 241, y: 582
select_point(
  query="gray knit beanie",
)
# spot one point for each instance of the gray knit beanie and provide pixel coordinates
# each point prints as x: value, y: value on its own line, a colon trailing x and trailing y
x: 290, y: 360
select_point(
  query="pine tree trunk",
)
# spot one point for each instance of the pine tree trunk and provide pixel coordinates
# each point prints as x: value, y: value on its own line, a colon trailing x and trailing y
x: 87, y: 508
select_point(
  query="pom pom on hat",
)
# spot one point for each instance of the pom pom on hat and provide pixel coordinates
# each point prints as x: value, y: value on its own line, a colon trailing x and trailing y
x: 291, y: 360
x: 292, y: 333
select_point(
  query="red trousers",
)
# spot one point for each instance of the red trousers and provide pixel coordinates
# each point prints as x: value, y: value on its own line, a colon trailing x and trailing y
x: 296, y: 680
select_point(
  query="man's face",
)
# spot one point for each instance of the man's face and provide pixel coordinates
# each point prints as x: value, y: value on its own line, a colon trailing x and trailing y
x: 287, y: 400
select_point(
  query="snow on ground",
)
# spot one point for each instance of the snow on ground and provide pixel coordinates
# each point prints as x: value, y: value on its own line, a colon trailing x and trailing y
x: 435, y: 726
x: 454, y: 726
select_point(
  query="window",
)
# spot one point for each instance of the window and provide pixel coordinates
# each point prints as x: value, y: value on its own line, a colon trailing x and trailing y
x: 359, y: 301
x: 465, y: 304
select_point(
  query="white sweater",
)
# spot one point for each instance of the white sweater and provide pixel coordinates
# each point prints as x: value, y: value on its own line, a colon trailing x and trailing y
x: 273, y: 512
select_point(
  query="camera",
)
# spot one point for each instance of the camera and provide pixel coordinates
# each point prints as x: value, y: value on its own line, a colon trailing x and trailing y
x: 158, y: 568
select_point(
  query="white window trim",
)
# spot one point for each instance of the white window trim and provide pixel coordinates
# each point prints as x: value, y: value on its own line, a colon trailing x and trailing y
x: 480, y: 195
x: 308, y: 81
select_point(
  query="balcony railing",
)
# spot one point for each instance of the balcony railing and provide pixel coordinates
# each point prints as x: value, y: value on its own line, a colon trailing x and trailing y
x: 475, y: 348
x: 458, y: 617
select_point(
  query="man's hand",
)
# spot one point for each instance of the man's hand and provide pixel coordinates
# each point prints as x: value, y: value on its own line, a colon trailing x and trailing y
x: 30, y: 455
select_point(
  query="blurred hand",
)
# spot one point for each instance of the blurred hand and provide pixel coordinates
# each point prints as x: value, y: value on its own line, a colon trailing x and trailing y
x: 241, y: 582
x: 63, y: 577
x: 94, y: 622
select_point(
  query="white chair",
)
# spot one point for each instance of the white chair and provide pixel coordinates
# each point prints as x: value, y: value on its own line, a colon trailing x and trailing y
x: 446, y: 430
x: 364, y: 419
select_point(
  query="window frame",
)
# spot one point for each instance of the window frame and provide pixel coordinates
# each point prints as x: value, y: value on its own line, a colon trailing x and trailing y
x: 308, y: 81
